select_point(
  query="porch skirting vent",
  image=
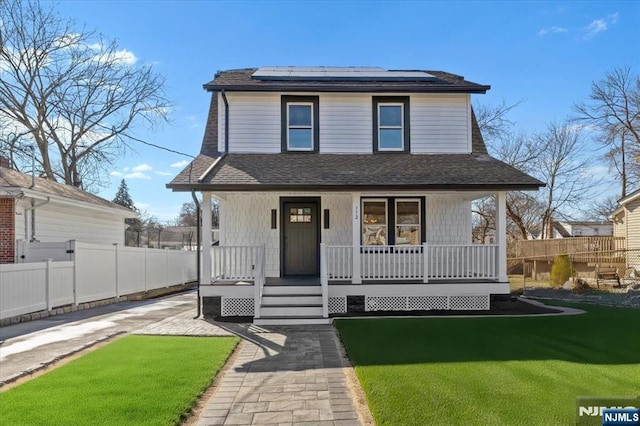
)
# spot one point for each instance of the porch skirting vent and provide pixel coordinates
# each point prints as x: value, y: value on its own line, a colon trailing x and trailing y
x: 237, y: 307
x: 427, y: 303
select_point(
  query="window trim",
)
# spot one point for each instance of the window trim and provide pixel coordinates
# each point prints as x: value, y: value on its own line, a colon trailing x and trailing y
x: 386, y: 214
x: 392, y: 218
x: 287, y: 100
x: 290, y: 126
x: 406, y: 134
x: 419, y: 224
x: 382, y: 127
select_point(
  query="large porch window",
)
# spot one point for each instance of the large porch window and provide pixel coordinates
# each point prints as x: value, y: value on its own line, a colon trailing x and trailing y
x: 401, y: 217
x: 408, y: 222
x: 374, y: 222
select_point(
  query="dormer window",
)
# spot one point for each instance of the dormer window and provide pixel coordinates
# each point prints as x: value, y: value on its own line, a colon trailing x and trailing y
x: 300, y: 123
x: 391, y: 124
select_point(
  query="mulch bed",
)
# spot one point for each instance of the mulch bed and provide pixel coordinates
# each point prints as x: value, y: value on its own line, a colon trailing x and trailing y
x: 504, y: 306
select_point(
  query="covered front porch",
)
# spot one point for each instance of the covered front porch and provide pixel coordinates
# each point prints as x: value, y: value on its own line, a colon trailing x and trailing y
x: 342, y: 247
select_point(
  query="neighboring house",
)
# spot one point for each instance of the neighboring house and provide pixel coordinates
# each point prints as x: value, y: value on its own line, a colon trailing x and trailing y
x: 355, y: 181
x: 626, y: 220
x: 47, y: 211
x: 568, y: 229
x: 181, y: 237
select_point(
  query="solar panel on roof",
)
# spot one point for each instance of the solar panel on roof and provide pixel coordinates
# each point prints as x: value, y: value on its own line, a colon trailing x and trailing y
x: 339, y: 74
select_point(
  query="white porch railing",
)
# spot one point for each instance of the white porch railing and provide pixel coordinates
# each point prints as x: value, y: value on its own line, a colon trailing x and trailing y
x: 393, y: 263
x: 461, y: 261
x: 237, y: 263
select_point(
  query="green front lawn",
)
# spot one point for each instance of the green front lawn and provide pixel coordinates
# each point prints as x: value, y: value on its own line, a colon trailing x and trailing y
x: 153, y: 380
x: 493, y: 371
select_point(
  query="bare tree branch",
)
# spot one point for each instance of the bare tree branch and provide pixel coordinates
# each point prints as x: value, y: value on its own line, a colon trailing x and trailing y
x: 613, y: 110
x: 62, y: 87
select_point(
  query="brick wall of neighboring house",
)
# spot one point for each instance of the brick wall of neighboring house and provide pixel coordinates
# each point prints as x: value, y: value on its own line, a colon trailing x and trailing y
x: 7, y: 230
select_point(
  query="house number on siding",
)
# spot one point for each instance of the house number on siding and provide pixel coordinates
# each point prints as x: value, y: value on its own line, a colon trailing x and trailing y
x: 356, y: 213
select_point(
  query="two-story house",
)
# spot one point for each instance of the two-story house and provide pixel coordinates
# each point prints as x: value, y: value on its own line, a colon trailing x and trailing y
x: 346, y: 189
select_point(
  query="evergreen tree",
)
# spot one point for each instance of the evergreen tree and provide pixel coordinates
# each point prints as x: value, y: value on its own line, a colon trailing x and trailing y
x: 123, y: 198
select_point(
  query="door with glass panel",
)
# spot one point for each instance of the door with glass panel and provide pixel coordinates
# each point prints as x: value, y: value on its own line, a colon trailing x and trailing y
x: 300, y: 239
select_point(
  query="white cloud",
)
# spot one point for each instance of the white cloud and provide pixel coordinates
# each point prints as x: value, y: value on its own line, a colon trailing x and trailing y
x: 144, y: 167
x: 599, y: 25
x: 136, y: 175
x: 142, y: 206
x: 121, y: 56
x: 552, y: 30
x: 179, y: 164
x: 582, y: 128
x: 164, y: 173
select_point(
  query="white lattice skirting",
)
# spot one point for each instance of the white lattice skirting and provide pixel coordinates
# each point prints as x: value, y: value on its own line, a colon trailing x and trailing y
x: 337, y: 305
x: 426, y: 303
x: 237, y: 307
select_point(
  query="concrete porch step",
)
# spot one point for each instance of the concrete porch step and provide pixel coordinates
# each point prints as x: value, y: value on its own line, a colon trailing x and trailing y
x: 288, y: 311
x: 303, y: 320
x: 275, y: 290
x: 292, y: 299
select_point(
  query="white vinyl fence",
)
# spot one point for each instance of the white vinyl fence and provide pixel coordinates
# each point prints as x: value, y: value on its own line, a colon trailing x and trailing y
x: 95, y: 272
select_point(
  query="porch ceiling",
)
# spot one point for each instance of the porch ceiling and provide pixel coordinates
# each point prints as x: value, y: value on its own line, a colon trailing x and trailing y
x: 357, y: 172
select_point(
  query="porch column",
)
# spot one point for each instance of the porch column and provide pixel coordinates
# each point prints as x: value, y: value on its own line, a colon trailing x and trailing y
x: 355, y: 226
x: 501, y: 234
x: 206, y: 238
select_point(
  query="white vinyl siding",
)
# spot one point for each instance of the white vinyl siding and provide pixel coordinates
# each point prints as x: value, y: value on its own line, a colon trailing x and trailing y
x: 346, y: 123
x: 56, y: 223
x: 619, y: 225
x: 633, y: 225
x: 440, y: 123
x: 254, y: 123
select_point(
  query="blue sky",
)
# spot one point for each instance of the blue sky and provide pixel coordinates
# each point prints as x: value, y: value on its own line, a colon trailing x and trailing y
x: 544, y: 53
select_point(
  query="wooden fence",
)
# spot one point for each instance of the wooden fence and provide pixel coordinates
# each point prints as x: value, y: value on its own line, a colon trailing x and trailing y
x: 581, y: 249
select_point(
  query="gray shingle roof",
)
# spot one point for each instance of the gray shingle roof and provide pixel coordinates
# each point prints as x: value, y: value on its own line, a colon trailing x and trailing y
x: 13, y: 179
x: 240, y: 79
x: 292, y: 171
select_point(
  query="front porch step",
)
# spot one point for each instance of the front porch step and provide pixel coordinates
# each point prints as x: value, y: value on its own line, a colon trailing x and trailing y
x: 291, y: 320
x: 292, y: 299
x: 275, y: 290
x: 287, y: 311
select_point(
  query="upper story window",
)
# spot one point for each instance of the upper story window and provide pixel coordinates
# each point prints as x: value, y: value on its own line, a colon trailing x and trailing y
x: 391, y: 123
x: 300, y: 123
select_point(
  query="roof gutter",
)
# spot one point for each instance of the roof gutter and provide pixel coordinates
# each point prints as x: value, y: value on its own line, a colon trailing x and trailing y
x: 200, y: 186
x: 350, y: 89
x: 38, y: 195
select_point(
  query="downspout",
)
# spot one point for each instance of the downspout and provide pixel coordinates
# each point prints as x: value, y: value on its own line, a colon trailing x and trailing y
x: 197, y: 203
x: 226, y: 121
x: 33, y: 208
x: 198, y: 251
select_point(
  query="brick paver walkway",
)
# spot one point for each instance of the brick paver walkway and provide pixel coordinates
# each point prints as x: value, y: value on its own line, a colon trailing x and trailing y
x: 183, y: 324
x: 283, y: 375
